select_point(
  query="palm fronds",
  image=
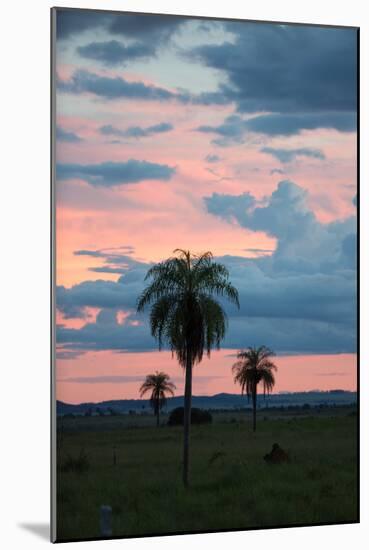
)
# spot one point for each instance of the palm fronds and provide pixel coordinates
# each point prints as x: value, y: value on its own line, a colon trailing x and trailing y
x: 159, y: 385
x: 184, y: 314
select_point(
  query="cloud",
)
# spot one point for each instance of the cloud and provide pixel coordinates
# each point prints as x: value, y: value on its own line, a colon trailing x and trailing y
x: 260, y: 251
x: 136, y: 131
x: 110, y: 174
x: 70, y: 22
x: 107, y: 252
x: 116, y: 260
x: 304, y: 244
x: 299, y: 298
x: 276, y: 171
x: 231, y: 131
x: 122, y: 295
x: 64, y: 135
x: 107, y: 334
x: 110, y: 88
x: 114, y: 53
x: 290, y: 124
x: 65, y: 354
x: 289, y: 155
x: 307, y: 287
x: 116, y: 87
x: 155, y: 29
x: 212, y: 158
x: 114, y: 379
x: 286, y: 68
x: 302, y: 78
x: 234, y: 129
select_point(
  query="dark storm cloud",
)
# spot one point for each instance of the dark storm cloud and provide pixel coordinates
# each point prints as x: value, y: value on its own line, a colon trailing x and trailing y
x: 68, y: 137
x: 158, y: 28
x: 153, y: 28
x: 289, y: 155
x: 292, y: 336
x: 136, y: 131
x: 114, y: 52
x: 75, y: 22
x: 286, y: 68
x: 149, y: 33
x: 109, y: 174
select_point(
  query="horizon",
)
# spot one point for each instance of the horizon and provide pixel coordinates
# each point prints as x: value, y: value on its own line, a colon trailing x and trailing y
x: 169, y: 398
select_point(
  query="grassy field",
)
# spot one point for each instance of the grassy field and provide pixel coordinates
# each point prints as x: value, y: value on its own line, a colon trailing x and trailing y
x: 231, y: 485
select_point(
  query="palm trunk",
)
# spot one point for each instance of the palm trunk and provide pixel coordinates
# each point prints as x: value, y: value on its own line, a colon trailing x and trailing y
x: 157, y: 415
x: 187, y: 421
x: 254, y: 410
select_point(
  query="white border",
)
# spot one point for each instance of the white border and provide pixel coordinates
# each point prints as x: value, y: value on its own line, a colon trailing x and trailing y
x: 25, y: 271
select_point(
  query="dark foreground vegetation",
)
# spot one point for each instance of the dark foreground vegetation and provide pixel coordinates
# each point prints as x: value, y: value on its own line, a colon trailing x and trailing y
x: 129, y: 464
x: 198, y: 416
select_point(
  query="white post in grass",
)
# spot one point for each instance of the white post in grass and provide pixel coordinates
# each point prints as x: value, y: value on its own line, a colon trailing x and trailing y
x: 105, y: 521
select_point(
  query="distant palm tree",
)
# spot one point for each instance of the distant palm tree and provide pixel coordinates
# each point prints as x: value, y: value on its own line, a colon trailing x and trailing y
x: 160, y: 385
x: 254, y: 366
x: 185, y: 315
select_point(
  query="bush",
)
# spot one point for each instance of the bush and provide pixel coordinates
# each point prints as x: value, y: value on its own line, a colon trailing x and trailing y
x: 77, y: 464
x: 198, y: 416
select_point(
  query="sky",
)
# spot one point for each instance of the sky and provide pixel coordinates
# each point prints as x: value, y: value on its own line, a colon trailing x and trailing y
x: 234, y: 137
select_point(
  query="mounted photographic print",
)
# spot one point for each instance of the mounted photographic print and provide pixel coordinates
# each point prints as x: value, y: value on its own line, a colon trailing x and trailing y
x: 205, y: 291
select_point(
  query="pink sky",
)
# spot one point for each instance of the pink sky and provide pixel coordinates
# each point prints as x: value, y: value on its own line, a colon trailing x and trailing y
x: 295, y: 373
x: 155, y: 217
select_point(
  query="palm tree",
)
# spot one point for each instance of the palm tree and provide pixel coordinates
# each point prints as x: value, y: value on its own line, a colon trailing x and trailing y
x: 185, y: 315
x: 159, y: 384
x: 254, y: 366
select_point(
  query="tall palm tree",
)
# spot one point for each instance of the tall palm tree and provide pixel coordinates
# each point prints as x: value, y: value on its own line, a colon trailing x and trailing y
x: 254, y: 366
x: 186, y: 316
x: 160, y: 385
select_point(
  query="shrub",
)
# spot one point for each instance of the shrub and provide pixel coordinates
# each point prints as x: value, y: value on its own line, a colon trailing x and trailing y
x: 77, y: 464
x: 198, y: 416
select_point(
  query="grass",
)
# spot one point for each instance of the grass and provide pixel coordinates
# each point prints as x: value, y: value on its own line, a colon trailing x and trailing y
x: 136, y: 469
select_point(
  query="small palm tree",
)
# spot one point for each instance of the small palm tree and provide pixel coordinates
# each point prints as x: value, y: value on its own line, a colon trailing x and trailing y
x: 254, y: 366
x: 160, y: 385
x: 185, y: 315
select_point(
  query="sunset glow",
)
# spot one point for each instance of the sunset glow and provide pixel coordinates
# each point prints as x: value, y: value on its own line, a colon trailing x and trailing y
x: 170, y: 148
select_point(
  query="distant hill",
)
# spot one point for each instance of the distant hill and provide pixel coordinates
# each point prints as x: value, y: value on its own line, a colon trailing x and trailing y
x: 219, y: 401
